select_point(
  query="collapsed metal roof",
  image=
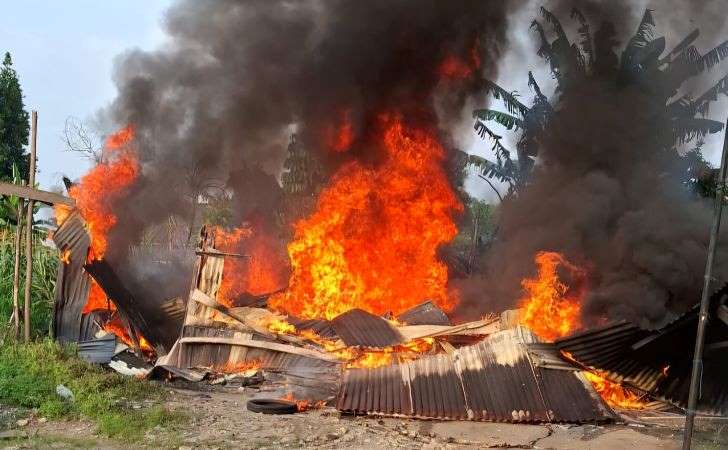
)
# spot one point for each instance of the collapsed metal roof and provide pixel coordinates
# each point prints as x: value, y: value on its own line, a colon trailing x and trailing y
x: 494, y: 380
x: 659, y: 362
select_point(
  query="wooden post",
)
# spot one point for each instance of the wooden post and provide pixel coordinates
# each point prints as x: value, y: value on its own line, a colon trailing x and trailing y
x: 29, y: 226
x: 16, y: 268
x: 697, y: 374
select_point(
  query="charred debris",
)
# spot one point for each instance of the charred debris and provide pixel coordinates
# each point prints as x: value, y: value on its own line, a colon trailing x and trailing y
x: 492, y: 369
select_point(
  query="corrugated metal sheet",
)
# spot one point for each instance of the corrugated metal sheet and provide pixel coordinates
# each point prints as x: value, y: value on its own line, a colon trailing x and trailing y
x: 424, y: 314
x: 360, y: 328
x: 493, y: 380
x: 659, y: 362
x: 98, y: 351
x: 72, y: 282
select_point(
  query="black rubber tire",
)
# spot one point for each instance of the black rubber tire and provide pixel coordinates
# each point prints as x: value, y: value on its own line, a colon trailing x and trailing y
x: 272, y: 406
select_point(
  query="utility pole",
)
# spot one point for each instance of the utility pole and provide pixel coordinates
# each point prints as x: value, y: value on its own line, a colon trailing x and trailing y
x: 697, y: 374
x: 29, y: 226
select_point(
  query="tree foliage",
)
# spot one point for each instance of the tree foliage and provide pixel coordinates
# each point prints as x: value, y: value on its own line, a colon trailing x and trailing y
x: 14, y: 123
x: 640, y: 65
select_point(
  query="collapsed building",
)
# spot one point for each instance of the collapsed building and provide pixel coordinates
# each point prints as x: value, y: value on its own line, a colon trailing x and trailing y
x: 415, y: 365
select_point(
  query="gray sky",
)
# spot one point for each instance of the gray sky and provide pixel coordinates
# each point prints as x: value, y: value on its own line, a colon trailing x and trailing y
x: 64, y: 53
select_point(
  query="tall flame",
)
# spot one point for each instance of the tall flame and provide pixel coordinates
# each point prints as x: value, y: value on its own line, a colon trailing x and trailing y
x: 372, y: 242
x: 261, y: 271
x: 102, y: 185
x: 550, y: 308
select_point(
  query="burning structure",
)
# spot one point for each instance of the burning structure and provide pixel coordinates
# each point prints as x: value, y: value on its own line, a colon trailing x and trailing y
x: 358, y: 313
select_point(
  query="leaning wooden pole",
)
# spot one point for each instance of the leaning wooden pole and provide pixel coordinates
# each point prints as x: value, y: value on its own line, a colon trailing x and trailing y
x: 16, y: 267
x: 697, y: 374
x: 29, y: 227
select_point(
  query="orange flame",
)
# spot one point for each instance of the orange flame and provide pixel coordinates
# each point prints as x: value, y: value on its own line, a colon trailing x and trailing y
x: 614, y: 394
x: 341, y: 136
x: 61, y: 213
x: 549, y: 307
x: 372, y: 242
x: 101, y: 186
x: 304, y: 405
x: 454, y: 67
x: 66, y: 256
x: 261, y: 272
x: 97, y: 300
x: 238, y: 367
x: 115, y: 326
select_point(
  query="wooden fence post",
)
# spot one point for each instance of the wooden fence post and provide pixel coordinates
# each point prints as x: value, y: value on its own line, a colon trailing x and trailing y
x: 29, y: 227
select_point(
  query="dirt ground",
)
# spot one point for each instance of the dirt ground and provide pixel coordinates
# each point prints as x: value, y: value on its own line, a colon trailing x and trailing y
x: 219, y: 420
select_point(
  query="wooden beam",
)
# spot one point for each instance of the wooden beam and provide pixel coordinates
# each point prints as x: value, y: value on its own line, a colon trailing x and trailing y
x: 49, y: 198
x: 274, y: 346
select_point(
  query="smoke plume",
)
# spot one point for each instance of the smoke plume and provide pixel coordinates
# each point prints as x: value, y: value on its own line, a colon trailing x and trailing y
x: 607, y: 192
x: 219, y: 101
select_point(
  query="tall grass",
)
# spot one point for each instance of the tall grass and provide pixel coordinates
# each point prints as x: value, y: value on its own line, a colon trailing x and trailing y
x: 45, y: 267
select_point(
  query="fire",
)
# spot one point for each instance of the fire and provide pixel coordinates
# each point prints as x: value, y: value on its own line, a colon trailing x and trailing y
x: 454, y: 67
x: 549, y: 307
x: 61, y: 212
x: 341, y: 136
x: 239, y: 367
x: 66, y: 256
x: 97, y: 300
x: 372, y: 242
x: 371, y: 360
x: 104, y: 184
x: 280, y: 326
x: 614, y: 394
x: 304, y: 405
x: 261, y: 272
x: 115, y: 326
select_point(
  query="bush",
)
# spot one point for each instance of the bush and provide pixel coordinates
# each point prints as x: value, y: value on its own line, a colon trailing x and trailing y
x: 30, y: 373
x: 45, y: 267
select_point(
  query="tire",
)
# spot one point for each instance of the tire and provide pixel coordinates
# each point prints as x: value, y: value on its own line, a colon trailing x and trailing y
x: 272, y: 406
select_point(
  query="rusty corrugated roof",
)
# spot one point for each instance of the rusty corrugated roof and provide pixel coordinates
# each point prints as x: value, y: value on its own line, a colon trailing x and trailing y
x: 659, y: 362
x: 494, y: 380
x: 360, y: 328
x: 72, y: 282
x: 424, y: 314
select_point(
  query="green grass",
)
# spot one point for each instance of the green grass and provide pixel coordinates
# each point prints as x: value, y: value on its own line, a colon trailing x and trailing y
x: 29, y: 374
x: 45, y: 267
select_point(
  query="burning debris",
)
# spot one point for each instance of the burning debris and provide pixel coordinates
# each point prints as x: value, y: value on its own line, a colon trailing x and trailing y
x: 361, y: 313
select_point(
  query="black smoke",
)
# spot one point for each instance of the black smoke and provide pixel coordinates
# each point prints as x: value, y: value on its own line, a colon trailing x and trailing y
x: 608, y: 193
x: 218, y: 102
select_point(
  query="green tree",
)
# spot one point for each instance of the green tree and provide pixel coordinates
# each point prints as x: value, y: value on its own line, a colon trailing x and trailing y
x: 14, y: 123
x: 643, y: 65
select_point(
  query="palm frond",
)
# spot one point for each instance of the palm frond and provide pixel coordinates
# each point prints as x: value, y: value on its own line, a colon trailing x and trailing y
x: 512, y: 104
x: 504, y: 172
x: 713, y: 57
x: 683, y: 45
x: 644, y: 32
x: 555, y: 24
x: 585, y: 33
x: 545, y: 50
x: 687, y: 129
x: 701, y: 105
x: 501, y: 153
x: 502, y: 118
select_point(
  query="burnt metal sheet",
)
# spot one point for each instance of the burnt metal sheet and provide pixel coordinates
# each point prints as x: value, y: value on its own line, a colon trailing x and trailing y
x: 659, y: 362
x: 72, y: 282
x: 424, y: 314
x: 360, y: 328
x: 98, y: 351
x: 322, y: 327
x: 494, y: 380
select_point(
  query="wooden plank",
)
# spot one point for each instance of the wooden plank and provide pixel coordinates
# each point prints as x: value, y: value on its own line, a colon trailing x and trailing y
x: 204, y: 299
x: 49, y: 198
x: 274, y: 346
